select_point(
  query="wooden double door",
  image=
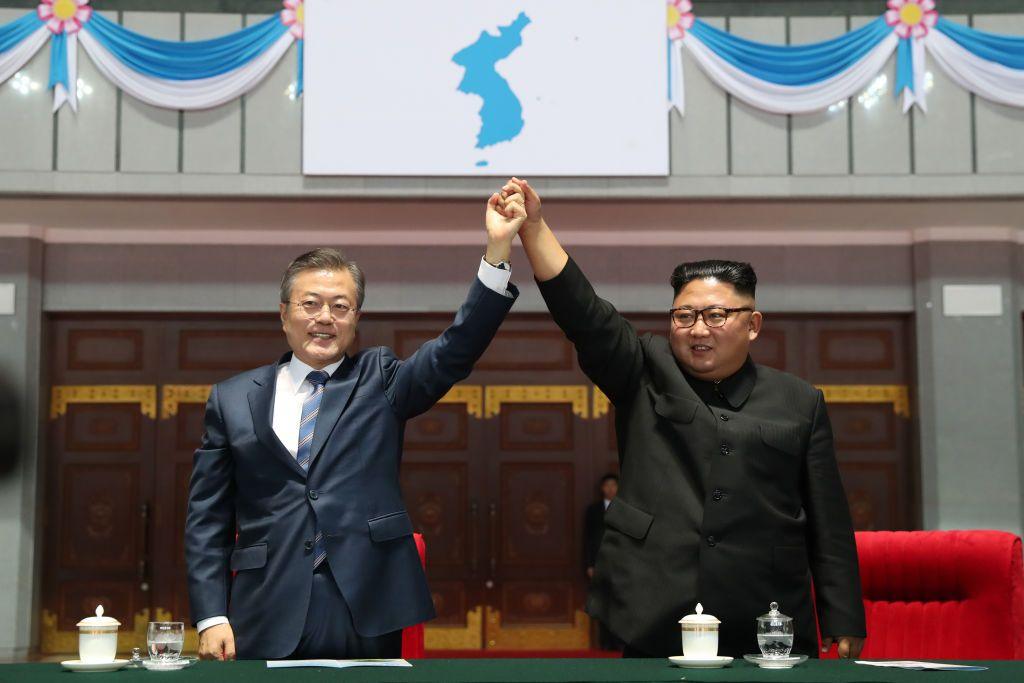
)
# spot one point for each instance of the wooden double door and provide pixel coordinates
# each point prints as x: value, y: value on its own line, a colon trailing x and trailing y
x: 496, y: 477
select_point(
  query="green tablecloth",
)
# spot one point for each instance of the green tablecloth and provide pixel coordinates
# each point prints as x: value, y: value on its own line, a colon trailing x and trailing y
x: 522, y: 670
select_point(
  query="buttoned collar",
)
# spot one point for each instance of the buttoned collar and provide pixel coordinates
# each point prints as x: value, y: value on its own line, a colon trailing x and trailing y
x: 297, y: 371
x: 734, y: 390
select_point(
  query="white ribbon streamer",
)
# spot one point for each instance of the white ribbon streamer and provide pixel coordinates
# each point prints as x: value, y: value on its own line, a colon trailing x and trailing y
x: 918, y: 95
x: 987, y: 79
x: 678, y: 99
x: 789, y: 99
x: 202, y: 93
x: 18, y: 56
x: 69, y: 94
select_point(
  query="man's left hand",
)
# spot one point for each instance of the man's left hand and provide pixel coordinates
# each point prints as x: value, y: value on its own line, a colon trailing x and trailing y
x: 503, y: 219
x: 849, y: 647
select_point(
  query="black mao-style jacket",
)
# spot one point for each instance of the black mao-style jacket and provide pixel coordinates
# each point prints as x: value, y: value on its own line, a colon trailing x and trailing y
x: 729, y: 495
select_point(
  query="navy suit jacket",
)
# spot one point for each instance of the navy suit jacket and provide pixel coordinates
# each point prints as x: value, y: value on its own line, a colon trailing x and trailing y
x: 244, y: 479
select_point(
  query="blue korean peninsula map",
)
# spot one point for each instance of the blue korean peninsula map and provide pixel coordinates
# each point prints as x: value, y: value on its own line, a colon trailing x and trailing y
x: 501, y: 116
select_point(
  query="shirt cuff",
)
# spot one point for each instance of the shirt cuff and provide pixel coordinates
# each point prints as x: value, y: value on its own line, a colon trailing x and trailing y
x: 204, y: 624
x: 495, y: 279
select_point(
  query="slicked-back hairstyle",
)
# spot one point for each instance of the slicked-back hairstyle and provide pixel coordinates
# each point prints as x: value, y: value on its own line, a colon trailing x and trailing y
x: 323, y: 258
x: 737, y: 273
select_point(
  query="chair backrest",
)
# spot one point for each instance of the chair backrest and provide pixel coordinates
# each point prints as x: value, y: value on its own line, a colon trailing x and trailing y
x: 942, y: 594
x: 413, y: 637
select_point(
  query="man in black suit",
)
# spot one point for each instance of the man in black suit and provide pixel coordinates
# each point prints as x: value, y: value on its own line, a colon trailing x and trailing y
x: 300, y: 458
x: 593, y: 530
x: 730, y: 493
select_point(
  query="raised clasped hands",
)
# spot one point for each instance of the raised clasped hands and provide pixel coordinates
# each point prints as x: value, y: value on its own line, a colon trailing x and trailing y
x: 519, y: 191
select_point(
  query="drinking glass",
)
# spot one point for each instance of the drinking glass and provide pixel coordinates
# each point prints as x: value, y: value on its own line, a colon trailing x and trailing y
x: 775, y: 633
x: 165, y: 640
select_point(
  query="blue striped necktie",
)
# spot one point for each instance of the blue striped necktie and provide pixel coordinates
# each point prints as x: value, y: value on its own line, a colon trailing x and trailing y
x: 307, y: 425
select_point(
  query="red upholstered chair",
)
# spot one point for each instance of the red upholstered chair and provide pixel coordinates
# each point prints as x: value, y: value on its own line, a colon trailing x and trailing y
x: 412, y: 637
x: 942, y: 594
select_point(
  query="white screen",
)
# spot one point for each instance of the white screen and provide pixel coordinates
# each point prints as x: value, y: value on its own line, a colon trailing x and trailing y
x: 382, y: 90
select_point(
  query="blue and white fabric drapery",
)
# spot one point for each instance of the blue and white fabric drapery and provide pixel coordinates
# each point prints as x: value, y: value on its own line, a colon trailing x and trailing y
x: 171, y: 74
x: 783, y: 79
x: 797, y: 79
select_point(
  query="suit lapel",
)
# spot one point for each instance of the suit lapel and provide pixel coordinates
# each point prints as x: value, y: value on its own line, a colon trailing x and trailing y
x: 261, y: 404
x: 337, y: 394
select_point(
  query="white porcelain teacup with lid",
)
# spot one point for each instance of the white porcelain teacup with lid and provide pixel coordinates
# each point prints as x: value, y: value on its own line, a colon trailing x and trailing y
x: 700, y: 635
x: 97, y: 638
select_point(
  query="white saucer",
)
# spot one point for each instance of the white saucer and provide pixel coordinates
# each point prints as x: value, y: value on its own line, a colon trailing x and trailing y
x: 701, y: 662
x: 78, y: 665
x: 174, y: 665
x: 776, y: 662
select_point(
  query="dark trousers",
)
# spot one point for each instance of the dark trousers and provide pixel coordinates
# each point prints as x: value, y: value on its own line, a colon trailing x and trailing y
x: 630, y: 652
x: 329, y: 632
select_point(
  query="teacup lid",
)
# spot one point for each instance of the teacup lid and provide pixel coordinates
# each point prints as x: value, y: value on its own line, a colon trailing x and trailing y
x: 774, y: 615
x: 699, y: 617
x: 99, y: 619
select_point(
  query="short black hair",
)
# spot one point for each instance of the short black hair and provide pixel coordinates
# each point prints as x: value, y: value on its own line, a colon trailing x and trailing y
x: 609, y: 477
x: 739, y: 274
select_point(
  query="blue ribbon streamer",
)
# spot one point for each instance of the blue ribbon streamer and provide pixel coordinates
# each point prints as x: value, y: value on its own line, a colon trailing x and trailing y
x: 18, y: 30
x: 59, y: 61
x: 298, y: 80
x: 793, y: 64
x: 188, y: 60
x: 669, y: 69
x: 904, y: 67
x: 1001, y: 49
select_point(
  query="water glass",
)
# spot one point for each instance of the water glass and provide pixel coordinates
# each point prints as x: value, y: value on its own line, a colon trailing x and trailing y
x: 775, y: 633
x: 165, y: 640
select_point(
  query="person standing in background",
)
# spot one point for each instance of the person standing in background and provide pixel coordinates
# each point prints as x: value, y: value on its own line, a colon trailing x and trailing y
x: 593, y: 530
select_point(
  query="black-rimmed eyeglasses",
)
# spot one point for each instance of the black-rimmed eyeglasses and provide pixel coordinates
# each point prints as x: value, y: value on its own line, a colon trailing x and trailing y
x: 715, y: 316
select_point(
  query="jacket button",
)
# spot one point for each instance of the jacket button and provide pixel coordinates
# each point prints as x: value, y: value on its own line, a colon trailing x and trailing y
x: 308, y: 545
x: 725, y: 449
x: 725, y: 418
x: 313, y: 495
x: 717, y: 494
x: 712, y: 541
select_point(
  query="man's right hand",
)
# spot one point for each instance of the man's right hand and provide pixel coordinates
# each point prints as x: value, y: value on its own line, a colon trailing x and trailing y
x: 217, y: 642
x: 531, y: 200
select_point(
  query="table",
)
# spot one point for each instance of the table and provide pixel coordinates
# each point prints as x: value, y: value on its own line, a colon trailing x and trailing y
x: 521, y: 670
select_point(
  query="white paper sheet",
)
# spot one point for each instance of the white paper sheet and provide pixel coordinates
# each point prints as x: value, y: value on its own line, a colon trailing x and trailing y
x: 924, y: 666
x: 334, y: 663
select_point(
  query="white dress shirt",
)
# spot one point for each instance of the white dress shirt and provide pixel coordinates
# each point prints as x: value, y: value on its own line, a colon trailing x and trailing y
x: 292, y: 389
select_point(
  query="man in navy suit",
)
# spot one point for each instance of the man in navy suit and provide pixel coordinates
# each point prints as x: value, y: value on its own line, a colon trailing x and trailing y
x: 300, y: 458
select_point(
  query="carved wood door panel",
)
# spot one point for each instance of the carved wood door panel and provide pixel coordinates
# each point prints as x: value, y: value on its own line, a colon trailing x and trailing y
x: 102, y: 422
x: 126, y: 414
